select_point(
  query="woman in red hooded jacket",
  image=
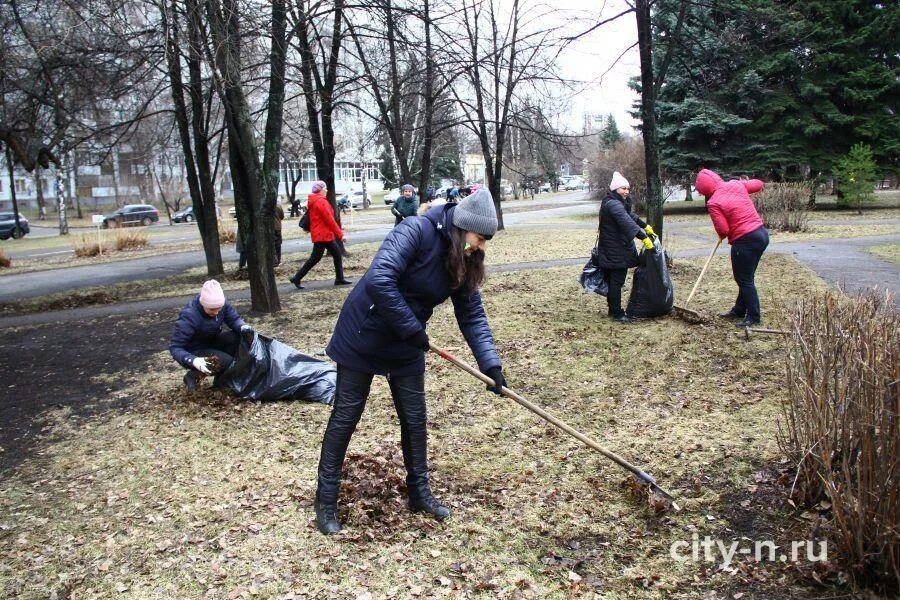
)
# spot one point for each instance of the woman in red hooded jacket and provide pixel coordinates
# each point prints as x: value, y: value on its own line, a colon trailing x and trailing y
x: 734, y: 216
x: 325, y: 234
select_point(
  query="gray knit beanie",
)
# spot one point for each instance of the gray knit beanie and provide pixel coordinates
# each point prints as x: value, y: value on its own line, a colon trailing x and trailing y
x: 408, y: 187
x: 476, y: 214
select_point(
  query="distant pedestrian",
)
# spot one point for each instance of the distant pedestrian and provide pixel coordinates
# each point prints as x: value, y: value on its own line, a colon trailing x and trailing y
x: 279, y: 217
x: 198, y: 334
x: 325, y: 234
x: 240, y: 248
x: 295, y: 207
x: 619, y: 225
x: 734, y: 216
x: 407, y: 205
x: 453, y: 194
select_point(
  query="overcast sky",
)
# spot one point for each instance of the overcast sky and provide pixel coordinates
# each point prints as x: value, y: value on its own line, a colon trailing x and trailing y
x: 591, y: 62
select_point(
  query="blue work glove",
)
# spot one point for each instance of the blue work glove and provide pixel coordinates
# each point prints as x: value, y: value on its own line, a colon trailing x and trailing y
x: 496, y: 373
x: 418, y: 340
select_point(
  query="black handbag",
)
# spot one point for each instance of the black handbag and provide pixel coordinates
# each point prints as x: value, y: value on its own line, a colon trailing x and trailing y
x: 593, y: 277
x: 304, y: 222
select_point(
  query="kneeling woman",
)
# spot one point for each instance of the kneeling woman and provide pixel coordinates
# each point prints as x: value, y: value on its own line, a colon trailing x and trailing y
x: 381, y: 331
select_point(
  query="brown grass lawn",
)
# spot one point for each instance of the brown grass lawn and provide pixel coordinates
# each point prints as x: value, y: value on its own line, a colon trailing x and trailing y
x: 889, y: 252
x: 199, y: 495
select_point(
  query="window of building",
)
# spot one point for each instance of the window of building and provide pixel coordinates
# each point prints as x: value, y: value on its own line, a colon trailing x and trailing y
x: 20, y: 186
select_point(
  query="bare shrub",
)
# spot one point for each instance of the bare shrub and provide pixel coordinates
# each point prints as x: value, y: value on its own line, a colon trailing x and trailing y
x: 840, y: 427
x: 5, y: 261
x: 132, y: 240
x: 227, y: 235
x: 627, y: 157
x: 784, y: 206
x: 87, y: 246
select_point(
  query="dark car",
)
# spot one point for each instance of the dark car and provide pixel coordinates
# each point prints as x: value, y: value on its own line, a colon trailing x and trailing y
x: 8, y: 227
x: 185, y: 215
x: 131, y: 214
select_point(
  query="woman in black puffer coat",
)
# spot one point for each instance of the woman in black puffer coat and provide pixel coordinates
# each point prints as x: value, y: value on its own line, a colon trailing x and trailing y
x: 381, y: 331
x: 619, y: 225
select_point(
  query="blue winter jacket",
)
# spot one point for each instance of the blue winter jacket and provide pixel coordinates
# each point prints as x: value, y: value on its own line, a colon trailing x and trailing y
x: 396, y: 297
x: 195, y: 330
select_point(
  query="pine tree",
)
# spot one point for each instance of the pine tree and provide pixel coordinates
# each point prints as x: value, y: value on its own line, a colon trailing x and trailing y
x: 855, y: 174
x: 610, y: 134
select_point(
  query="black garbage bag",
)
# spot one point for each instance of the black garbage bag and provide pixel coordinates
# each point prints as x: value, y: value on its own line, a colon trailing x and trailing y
x: 593, y: 279
x: 266, y: 369
x: 652, y: 294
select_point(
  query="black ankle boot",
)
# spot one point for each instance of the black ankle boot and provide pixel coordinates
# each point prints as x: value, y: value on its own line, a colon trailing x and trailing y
x: 327, y: 517
x: 424, y: 501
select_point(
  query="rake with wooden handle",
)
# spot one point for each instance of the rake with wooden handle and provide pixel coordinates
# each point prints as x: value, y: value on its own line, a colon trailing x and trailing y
x: 684, y: 312
x: 638, y: 473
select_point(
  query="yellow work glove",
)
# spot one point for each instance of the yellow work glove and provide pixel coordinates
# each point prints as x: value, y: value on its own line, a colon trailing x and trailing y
x: 648, y: 243
x: 649, y: 230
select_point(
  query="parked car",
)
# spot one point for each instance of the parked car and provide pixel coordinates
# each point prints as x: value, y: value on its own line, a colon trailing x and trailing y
x: 357, y: 199
x: 185, y: 215
x: 8, y: 227
x: 391, y: 197
x: 131, y: 214
x: 545, y: 187
x: 573, y: 183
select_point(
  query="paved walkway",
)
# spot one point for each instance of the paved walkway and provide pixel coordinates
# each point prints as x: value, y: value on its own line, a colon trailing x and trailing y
x: 38, y: 283
x: 840, y: 262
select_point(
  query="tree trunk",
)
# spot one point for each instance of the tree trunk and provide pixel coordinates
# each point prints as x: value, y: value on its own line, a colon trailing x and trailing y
x: 428, y: 129
x: 254, y: 212
x: 197, y: 169
x: 648, y: 118
x: 61, y: 201
x: 39, y: 190
x: 12, y: 189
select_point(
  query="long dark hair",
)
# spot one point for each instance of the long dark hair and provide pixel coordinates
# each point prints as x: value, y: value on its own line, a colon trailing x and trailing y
x: 466, y: 271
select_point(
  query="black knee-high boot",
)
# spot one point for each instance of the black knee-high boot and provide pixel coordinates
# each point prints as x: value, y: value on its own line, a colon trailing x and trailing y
x: 351, y: 392
x: 409, y: 400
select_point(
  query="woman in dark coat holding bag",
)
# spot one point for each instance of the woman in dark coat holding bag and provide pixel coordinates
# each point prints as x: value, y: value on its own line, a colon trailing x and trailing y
x: 619, y: 225
x: 381, y: 331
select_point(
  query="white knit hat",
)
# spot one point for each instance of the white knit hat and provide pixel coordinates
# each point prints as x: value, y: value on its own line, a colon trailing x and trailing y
x: 618, y: 181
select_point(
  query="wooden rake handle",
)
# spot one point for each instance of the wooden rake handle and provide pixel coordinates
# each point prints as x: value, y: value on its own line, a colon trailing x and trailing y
x: 646, y: 477
x: 703, y: 272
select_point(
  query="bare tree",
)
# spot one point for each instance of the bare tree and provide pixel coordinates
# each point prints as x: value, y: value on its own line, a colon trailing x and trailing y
x: 65, y: 63
x: 506, y: 56
x: 400, y: 51
x: 319, y: 54
x: 185, y: 42
x: 255, y: 182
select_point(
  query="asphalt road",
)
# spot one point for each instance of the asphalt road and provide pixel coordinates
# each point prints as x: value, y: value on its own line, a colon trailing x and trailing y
x: 26, y: 285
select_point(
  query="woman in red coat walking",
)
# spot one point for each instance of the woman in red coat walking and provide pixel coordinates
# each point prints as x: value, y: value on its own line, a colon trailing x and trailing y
x: 734, y: 216
x: 325, y: 234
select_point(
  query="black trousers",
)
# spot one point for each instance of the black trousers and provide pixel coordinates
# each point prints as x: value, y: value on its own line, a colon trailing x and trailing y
x: 616, y: 278
x: 223, y: 347
x: 318, y: 251
x: 350, y: 398
x: 277, y: 248
x: 745, y: 254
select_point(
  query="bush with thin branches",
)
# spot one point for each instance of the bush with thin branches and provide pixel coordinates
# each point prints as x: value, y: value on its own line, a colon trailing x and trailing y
x: 784, y: 206
x: 841, y: 427
x: 5, y: 261
x: 227, y: 235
